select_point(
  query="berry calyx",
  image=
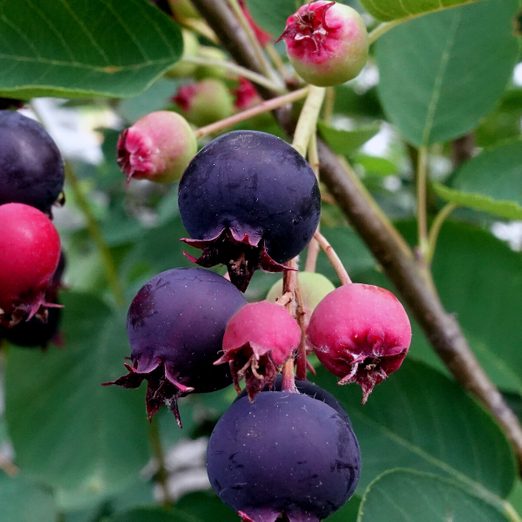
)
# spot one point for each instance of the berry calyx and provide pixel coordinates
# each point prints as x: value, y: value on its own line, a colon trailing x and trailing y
x: 326, y: 42
x: 360, y: 333
x: 258, y: 339
x: 31, y: 166
x: 158, y: 147
x: 245, y: 95
x: 249, y: 200
x: 29, y: 256
x: 204, y: 102
x: 175, y: 326
x: 283, y: 455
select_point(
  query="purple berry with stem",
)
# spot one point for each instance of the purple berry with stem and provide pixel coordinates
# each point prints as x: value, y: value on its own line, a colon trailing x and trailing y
x: 249, y: 200
x: 175, y: 326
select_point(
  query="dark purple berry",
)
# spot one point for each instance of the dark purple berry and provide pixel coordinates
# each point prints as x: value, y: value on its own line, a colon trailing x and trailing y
x: 31, y: 167
x: 312, y: 390
x: 175, y: 326
x: 249, y: 200
x: 38, y: 332
x: 284, y: 455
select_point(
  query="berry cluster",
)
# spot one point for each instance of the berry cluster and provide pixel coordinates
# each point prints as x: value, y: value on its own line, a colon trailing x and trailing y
x: 250, y: 201
x: 31, y: 181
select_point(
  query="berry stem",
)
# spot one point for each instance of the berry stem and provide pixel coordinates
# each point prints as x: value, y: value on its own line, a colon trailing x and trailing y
x: 334, y: 259
x: 441, y: 216
x: 95, y: 232
x: 236, y: 69
x: 263, y: 107
x: 313, y: 247
x: 266, y: 70
x: 307, y: 122
x: 422, y: 218
x: 162, y: 473
x: 201, y: 28
x: 289, y: 287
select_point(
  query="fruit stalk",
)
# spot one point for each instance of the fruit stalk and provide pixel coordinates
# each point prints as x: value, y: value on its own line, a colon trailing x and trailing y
x: 441, y: 328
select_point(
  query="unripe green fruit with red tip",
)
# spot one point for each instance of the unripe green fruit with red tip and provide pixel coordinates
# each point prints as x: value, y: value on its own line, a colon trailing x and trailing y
x: 326, y: 42
x: 204, y: 102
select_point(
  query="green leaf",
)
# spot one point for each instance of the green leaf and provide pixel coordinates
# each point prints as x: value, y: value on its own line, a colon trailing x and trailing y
x: 490, y: 182
x: 441, y: 73
x: 420, y: 419
x: 393, y: 10
x: 67, y: 430
x: 151, y: 514
x: 23, y: 501
x: 344, y: 141
x: 73, y: 48
x: 405, y: 495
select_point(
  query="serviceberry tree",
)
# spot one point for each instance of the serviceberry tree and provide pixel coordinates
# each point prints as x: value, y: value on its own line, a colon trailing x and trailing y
x: 299, y: 232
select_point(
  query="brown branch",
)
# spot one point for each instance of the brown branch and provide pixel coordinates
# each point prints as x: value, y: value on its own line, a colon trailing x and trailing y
x: 409, y: 276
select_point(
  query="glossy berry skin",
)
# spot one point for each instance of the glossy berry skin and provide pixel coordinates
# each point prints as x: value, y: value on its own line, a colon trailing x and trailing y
x: 31, y: 167
x: 360, y: 333
x: 29, y: 256
x: 284, y: 455
x: 258, y: 339
x: 158, y: 147
x: 326, y: 42
x: 175, y: 326
x: 250, y: 201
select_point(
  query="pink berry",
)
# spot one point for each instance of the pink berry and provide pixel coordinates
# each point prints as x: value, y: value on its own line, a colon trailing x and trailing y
x: 158, y: 147
x: 360, y: 333
x: 326, y: 42
x: 258, y: 339
x: 29, y: 255
x: 205, y: 101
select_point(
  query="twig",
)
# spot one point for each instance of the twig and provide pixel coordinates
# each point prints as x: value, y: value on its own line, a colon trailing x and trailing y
x: 263, y: 107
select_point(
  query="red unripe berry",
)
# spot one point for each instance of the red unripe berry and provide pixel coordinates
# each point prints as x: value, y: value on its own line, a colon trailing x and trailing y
x: 158, y: 147
x: 29, y: 255
x: 258, y: 339
x: 326, y: 42
x: 360, y: 333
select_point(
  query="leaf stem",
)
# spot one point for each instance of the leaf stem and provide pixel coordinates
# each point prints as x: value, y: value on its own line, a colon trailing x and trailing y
x: 334, y: 259
x: 236, y: 69
x: 422, y: 219
x: 307, y: 122
x: 96, y: 235
x: 200, y: 27
x: 383, y: 28
x: 441, y: 216
x: 263, y: 107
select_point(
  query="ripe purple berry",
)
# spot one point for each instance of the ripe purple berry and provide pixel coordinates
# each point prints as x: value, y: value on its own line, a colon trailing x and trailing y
x: 360, y: 333
x: 258, y: 339
x: 158, y: 147
x: 250, y: 201
x: 284, y: 455
x: 175, y: 326
x: 31, y: 167
x: 327, y: 42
